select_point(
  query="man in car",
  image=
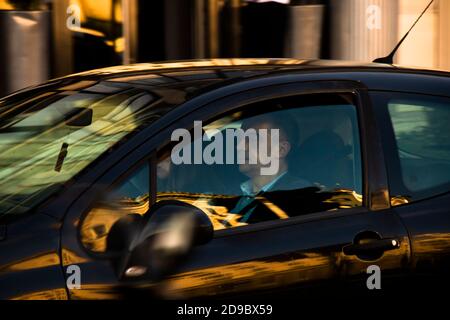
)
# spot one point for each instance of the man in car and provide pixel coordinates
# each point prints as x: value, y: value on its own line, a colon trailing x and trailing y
x: 266, y: 196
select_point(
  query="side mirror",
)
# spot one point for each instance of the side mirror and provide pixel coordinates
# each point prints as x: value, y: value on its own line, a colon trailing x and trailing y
x: 154, y: 246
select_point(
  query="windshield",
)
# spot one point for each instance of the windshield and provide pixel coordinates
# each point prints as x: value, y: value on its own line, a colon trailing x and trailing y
x: 49, y: 136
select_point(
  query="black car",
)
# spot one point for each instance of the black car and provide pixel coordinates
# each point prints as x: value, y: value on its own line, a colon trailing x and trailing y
x: 94, y: 205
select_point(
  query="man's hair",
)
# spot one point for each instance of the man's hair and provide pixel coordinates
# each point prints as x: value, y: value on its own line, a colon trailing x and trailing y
x: 279, y: 120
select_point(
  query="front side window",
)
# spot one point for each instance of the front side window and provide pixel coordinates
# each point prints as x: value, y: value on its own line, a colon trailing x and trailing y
x: 272, y: 160
x: 419, y: 161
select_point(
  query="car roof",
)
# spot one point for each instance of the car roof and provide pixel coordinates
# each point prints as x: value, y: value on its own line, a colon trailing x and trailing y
x: 188, y: 78
x: 275, y: 64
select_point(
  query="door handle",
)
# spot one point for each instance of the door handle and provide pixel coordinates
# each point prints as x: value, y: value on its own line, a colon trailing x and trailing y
x: 369, y: 245
x: 372, y: 245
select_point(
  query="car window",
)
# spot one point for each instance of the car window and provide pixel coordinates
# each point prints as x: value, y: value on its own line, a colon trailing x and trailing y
x: 422, y: 133
x: 50, y: 135
x: 313, y: 164
x: 43, y: 146
x: 420, y: 126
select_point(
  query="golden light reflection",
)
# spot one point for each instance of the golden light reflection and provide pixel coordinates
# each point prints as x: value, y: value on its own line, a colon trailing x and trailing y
x: 98, y: 9
x: 252, y: 275
x: 41, y: 261
x: 192, y: 64
x: 70, y: 257
x: 345, y: 198
x: 33, y: 154
x: 4, y: 5
x: 399, y: 200
x: 53, y: 294
x: 80, y: 85
x: 88, y: 31
x: 219, y: 215
x: 98, y: 222
x: 221, y: 218
x: 96, y: 292
x: 431, y: 244
x: 280, y: 213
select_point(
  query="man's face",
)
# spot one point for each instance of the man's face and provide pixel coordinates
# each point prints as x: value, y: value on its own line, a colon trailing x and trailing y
x: 251, y: 150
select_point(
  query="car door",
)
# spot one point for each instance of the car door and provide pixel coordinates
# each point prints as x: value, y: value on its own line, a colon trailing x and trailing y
x: 416, y: 137
x: 329, y: 233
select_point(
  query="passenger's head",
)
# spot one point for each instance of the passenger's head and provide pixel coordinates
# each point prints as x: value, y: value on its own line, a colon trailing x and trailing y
x: 274, y: 149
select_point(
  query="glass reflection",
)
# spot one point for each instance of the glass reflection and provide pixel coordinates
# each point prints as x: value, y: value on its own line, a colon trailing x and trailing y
x: 318, y: 166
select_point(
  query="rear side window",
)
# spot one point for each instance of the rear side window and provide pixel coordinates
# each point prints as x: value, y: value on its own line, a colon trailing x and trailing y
x: 419, y: 159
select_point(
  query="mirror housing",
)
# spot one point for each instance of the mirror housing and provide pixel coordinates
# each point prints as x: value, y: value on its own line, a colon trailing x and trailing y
x: 154, y: 246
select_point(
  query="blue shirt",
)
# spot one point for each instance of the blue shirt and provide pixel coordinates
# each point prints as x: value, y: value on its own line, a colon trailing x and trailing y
x: 249, y: 196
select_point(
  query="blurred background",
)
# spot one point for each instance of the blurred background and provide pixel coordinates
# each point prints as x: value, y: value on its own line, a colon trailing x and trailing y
x: 43, y: 39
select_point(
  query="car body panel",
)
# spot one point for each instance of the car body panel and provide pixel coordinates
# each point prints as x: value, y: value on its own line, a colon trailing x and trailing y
x: 30, y: 264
